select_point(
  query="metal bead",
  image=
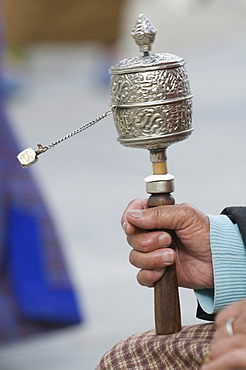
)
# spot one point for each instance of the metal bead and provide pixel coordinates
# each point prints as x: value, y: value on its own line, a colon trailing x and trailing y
x: 158, y: 184
x: 27, y: 157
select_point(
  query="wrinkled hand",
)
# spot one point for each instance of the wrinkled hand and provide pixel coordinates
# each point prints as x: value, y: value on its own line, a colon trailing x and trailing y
x: 150, y: 250
x: 229, y: 352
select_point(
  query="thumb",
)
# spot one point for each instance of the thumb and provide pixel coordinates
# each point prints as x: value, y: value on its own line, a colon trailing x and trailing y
x: 174, y: 217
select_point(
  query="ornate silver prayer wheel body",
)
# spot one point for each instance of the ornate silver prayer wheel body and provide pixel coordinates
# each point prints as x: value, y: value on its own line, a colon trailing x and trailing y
x: 150, y: 95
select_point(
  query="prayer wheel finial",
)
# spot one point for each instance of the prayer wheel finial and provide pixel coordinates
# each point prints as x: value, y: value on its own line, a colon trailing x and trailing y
x: 144, y: 33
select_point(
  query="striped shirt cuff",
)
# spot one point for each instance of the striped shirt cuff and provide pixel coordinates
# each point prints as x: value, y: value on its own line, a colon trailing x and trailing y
x: 229, y: 266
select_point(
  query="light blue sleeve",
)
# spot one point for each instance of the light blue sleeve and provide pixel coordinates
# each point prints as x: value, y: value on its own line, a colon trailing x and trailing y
x: 229, y: 266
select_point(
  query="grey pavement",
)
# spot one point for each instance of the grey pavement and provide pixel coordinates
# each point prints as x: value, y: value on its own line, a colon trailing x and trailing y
x: 88, y: 180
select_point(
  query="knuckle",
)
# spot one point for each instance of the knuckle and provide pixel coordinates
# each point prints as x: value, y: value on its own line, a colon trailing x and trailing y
x: 129, y: 239
x: 150, y: 218
x: 132, y: 257
x: 187, y: 209
x: 137, y: 204
x: 142, y: 278
x: 156, y: 216
x: 148, y: 278
x: 139, y: 242
x: 144, y: 244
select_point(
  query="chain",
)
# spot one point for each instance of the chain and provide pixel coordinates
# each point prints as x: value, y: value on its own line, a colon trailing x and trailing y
x: 42, y: 149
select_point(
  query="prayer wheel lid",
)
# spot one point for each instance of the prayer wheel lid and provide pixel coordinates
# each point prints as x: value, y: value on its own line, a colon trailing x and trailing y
x: 144, y: 35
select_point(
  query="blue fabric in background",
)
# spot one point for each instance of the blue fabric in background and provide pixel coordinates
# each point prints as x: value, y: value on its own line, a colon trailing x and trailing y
x: 36, y: 293
x: 36, y: 298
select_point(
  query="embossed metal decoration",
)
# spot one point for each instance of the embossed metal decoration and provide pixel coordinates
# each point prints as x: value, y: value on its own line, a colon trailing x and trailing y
x: 150, y: 95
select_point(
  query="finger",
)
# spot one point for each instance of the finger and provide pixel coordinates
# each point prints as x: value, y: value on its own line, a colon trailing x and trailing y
x: 174, y: 217
x: 135, y: 204
x: 235, y: 359
x: 225, y: 331
x: 157, y: 259
x: 232, y: 310
x: 221, y: 347
x: 238, y: 326
x: 149, y: 277
x: 236, y: 311
x: 149, y: 241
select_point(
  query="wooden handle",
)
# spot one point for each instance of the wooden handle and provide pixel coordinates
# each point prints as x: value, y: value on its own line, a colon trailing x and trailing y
x: 167, y: 308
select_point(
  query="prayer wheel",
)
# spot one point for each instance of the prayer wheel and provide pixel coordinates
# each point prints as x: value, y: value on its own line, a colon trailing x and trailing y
x: 152, y: 109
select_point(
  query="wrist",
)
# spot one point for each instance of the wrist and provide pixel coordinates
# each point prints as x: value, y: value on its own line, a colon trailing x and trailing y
x: 229, y: 266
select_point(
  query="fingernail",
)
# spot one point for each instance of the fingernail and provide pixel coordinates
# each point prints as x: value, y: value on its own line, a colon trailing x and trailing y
x: 163, y: 240
x: 124, y: 226
x: 167, y: 256
x: 136, y: 213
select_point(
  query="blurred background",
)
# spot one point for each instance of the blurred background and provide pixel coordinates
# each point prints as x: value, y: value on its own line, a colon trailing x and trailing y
x: 55, y: 73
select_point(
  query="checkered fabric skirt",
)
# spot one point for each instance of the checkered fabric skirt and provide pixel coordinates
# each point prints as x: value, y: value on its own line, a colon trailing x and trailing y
x: 186, y: 349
